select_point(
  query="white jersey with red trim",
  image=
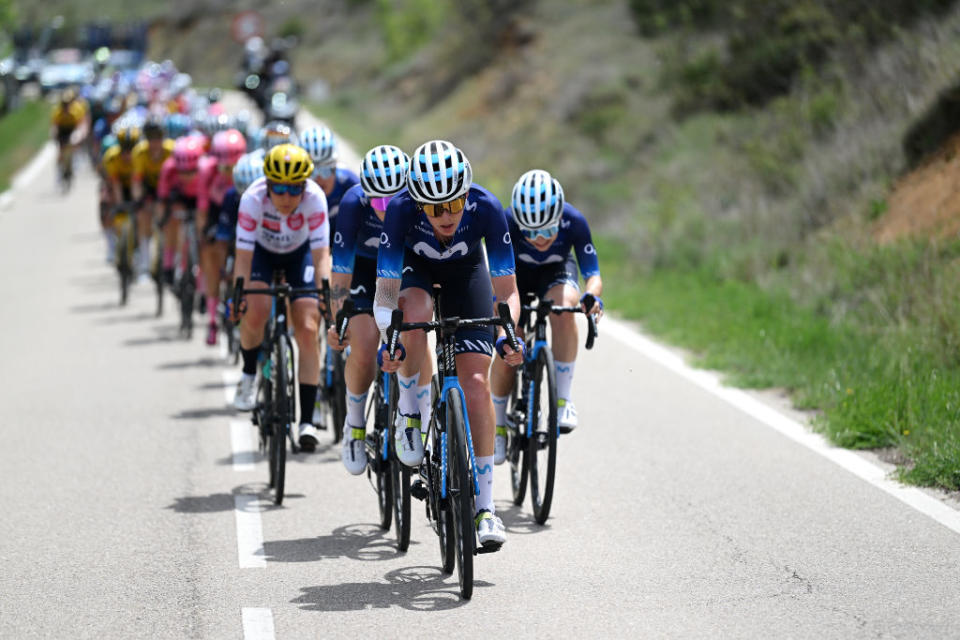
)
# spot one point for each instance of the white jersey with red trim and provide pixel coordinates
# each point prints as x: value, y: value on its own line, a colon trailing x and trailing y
x: 259, y: 222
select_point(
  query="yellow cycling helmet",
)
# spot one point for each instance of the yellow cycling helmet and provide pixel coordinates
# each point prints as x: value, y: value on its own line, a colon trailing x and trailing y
x: 287, y: 163
x: 128, y: 137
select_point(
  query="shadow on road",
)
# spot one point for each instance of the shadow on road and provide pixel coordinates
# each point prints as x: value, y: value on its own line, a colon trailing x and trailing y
x: 219, y: 502
x: 186, y: 364
x: 204, y: 413
x: 123, y: 319
x: 516, y: 520
x: 413, y: 588
x: 366, y: 542
x: 95, y: 307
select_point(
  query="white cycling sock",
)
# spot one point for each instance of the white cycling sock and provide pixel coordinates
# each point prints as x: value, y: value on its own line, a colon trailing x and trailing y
x: 564, y: 372
x: 355, y: 407
x: 485, y: 480
x: 424, y: 401
x: 408, y: 404
x: 500, y: 409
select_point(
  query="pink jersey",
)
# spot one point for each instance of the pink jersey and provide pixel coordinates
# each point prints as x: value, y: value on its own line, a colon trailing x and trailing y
x: 170, y: 179
x: 213, y: 186
x: 259, y: 222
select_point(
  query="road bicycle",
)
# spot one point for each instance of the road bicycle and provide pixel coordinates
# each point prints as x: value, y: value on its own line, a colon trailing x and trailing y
x: 389, y: 477
x: 332, y: 390
x: 123, y: 225
x: 532, y: 409
x: 185, y: 286
x: 275, y: 412
x: 447, y: 477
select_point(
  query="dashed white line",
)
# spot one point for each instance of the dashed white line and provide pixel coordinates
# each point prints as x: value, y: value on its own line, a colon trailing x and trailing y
x: 257, y: 623
x: 241, y: 442
x: 855, y: 464
x: 230, y: 379
x: 250, y: 553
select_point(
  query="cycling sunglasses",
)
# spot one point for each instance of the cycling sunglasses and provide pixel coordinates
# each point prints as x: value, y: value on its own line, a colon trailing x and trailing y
x: 324, y: 172
x: 546, y: 232
x: 436, y: 210
x: 279, y: 188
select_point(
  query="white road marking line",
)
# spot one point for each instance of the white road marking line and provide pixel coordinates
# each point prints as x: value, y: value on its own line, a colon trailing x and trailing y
x: 29, y: 173
x: 257, y: 623
x: 250, y: 552
x: 241, y: 443
x: 222, y: 347
x: 849, y: 460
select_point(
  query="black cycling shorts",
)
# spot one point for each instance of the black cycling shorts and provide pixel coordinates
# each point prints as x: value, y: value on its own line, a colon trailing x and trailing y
x: 465, y: 292
x: 539, y: 279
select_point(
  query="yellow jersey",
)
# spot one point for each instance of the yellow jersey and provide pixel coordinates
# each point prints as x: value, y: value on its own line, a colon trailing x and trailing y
x: 116, y: 167
x: 69, y: 117
x: 145, y: 166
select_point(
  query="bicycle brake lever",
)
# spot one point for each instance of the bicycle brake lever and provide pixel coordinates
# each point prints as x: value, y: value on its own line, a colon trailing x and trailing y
x: 393, y: 331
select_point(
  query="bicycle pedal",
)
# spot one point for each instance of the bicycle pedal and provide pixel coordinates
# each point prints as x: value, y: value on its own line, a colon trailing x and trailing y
x: 490, y: 547
x: 418, y: 490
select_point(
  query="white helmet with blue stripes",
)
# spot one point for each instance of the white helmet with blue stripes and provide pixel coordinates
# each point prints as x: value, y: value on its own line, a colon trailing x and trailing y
x: 320, y: 144
x: 383, y: 171
x: 439, y: 172
x: 537, y: 200
x: 248, y: 169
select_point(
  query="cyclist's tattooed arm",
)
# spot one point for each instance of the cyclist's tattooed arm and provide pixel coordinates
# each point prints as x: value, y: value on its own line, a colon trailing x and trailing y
x: 339, y: 290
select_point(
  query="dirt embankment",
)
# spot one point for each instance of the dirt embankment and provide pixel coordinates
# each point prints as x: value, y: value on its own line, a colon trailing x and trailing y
x: 926, y: 201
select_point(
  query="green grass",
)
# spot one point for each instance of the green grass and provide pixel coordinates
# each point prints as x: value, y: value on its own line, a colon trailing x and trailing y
x: 22, y: 134
x: 872, y: 388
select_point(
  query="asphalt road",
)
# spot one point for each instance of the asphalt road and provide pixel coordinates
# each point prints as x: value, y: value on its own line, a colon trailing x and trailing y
x: 676, y: 514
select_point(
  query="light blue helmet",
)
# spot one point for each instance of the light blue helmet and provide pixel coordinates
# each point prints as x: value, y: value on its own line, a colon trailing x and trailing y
x: 177, y: 125
x: 439, y: 172
x: 383, y: 171
x: 537, y: 200
x: 320, y: 144
x: 248, y: 169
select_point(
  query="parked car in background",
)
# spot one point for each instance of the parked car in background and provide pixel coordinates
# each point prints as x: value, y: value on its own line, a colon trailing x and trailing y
x: 65, y: 67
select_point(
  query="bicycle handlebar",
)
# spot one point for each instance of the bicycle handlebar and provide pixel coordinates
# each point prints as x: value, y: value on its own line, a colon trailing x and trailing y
x: 504, y: 319
x: 546, y: 306
x: 281, y: 289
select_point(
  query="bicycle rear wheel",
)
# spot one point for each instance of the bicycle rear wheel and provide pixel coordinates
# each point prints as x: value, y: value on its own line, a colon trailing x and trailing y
x: 124, y: 260
x: 542, y: 451
x: 460, y: 491
x: 283, y: 414
x: 399, y: 474
x: 378, y: 460
x: 517, y: 443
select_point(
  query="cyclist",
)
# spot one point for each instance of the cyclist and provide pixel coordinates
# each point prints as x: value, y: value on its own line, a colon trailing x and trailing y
x: 148, y: 158
x: 432, y: 234
x: 282, y: 225
x: 322, y: 147
x: 118, y: 169
x: 546, y: 231
x: 247, y: 170
x: 321, y: 144
x: 383, y: 174
x: 70, y: 125
x: 276, y: 132
x: 178, y: 188
x: 215, y: 179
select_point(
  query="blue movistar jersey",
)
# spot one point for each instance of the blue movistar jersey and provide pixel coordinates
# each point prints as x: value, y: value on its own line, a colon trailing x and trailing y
x: 358, y: 231
x: 406, y: 226
x: 574, y: 234
x: 101, y: 128
x: 345, y: 180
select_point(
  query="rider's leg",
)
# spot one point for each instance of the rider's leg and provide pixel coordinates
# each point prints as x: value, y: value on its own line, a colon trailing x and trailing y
x: 417, y: 307
x: 171, y: 233
x: 360, y: 368
x: 306, y: 323
x: 564, y: 336
x: 144, y: 229
x: 210, y: 267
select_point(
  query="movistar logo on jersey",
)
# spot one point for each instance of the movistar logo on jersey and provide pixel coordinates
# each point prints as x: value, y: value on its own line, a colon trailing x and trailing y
x: 424, y: 249
x: 529, y: 259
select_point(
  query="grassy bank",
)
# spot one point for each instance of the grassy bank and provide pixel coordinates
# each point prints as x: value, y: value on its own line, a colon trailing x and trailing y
x: 874, y: 388
x: 22, y: 134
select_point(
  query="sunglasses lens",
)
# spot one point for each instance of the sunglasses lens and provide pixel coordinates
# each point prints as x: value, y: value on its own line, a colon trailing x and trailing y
x: 436, y: 210
x: 292, y: 189
x: 324, y: 172
x: 380, y: 204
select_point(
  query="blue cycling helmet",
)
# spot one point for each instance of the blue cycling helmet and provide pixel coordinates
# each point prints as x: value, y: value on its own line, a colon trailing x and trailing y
x: 537, y: 200
x: 439, y: 172
x: 177, y: 125
x: 248, y: 169
x: 320, y: 144
x: 383, y: 171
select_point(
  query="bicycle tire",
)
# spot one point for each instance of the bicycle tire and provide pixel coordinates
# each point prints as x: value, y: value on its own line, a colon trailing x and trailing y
x: 157, y: 269
x: 399, y: 475
x: 264, y: 422
x: 441, y: 515
x: 517, y: 443
x: 460, y: 492
x: 124, y: 262
x: 188, y: 285
x: 542, y: 451
x: 283, y: 414
x: 338, y: 399
x: 376, y: 464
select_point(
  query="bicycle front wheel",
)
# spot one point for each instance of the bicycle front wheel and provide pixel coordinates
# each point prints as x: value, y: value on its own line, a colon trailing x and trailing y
x: 399, y: 475
x: 283, y: 414
x: 460, y: 492
x: 542, y: 451
x: 338, y: 400
x: 517, y: 443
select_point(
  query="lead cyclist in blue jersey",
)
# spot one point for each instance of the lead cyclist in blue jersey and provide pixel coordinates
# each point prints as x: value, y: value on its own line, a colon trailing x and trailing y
x: 383, y: 174
x: 432, y: 234
x: 546, y: 232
